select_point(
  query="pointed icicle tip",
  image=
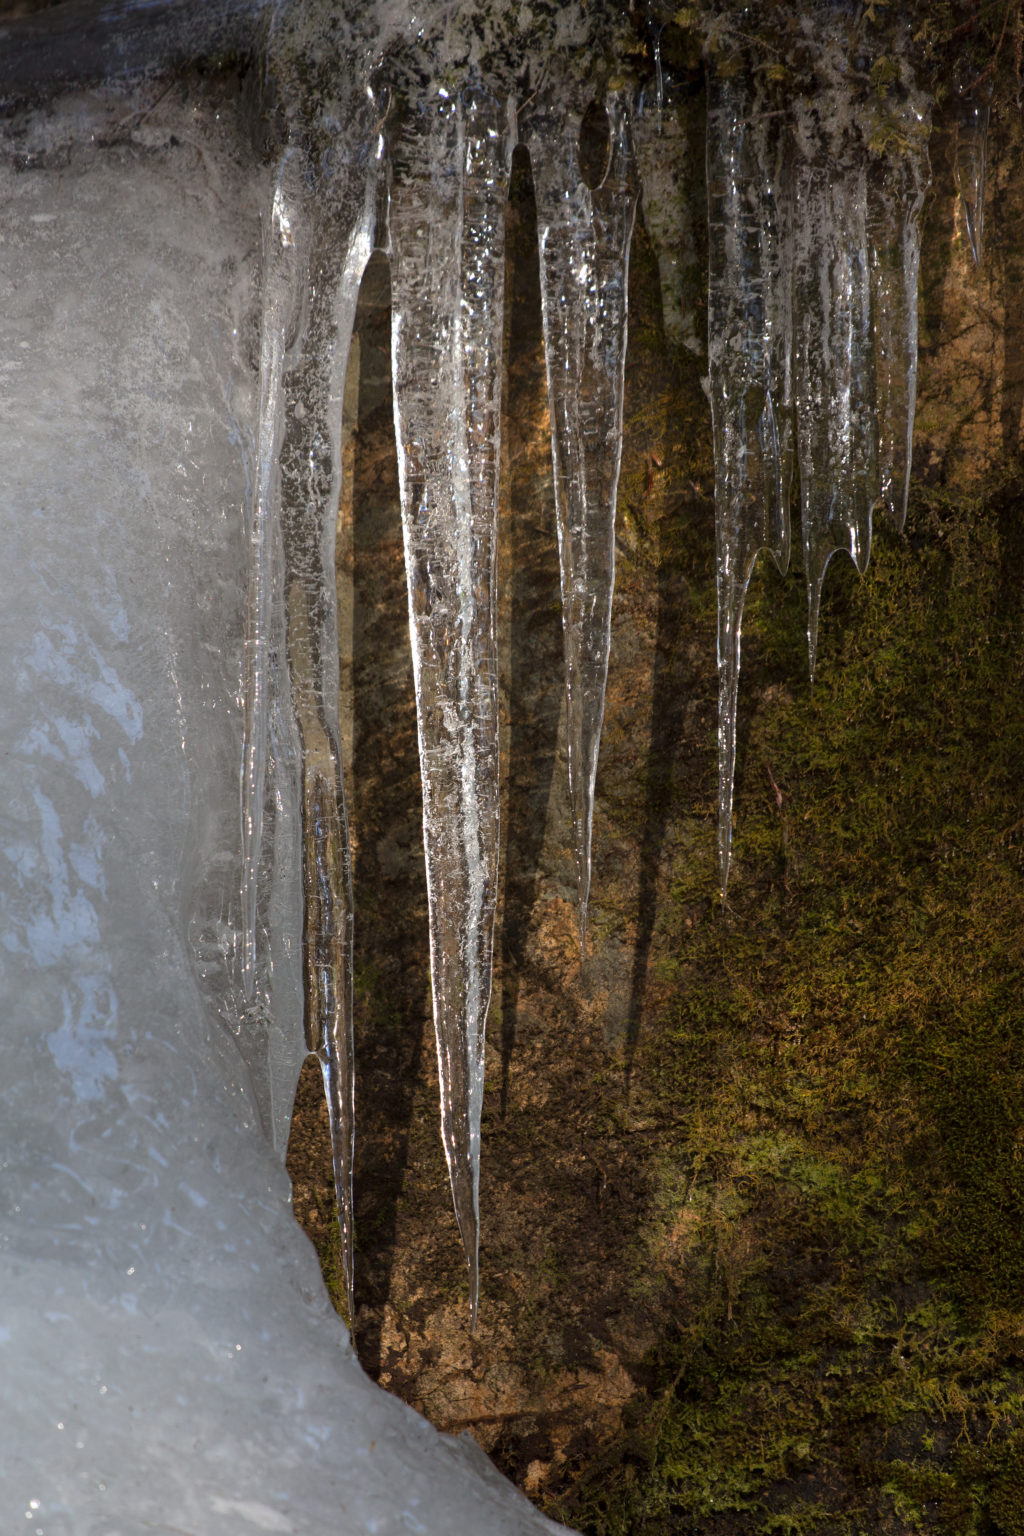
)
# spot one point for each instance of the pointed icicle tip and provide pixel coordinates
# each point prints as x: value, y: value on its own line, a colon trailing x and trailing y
x: 471, y: 1250
x: 813, y: 608
x: 817, y: 563
x: 724, y: 857
x: 974, y: 218
x: 969, y: 164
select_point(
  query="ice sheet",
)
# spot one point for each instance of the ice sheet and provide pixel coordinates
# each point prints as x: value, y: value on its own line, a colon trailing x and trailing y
x: 168, y: 1357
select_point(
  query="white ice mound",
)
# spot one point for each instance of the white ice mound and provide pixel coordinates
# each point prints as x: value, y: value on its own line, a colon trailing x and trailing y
x: 168, y: 1358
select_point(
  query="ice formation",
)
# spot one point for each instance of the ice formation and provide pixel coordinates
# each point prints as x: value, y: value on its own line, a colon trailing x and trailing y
x: 451, y: 166
x: 180, y: 292
x: 584, y: 238
x: 418, y: 150
x: 973, y: 112
x: 168, y: 1357
x: 281, y: 299
x: 749, y: 346
x: 814, y: 247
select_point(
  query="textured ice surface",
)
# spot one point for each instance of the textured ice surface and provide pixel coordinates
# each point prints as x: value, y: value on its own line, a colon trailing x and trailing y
x: 326, y: 192
x: 749, y: 327
x: 440, y: 215
x: 896, y: 188
x: 814, y: 210
x: 971, y: 154
x: 584, y: 237
x: 168, y: 1358
x: 281, y: 293
x: 176, y: 898
x: 451, y: 165
x: 834, y: 383
x: 273, y: 904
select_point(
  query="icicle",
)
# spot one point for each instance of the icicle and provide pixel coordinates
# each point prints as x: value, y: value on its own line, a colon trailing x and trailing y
x: 748, y: 353
x: 834, y: 384
x: 340, y: 246
x: 324, y: 210
x: 282, y: 283
x: 584, y: 257
x: 972, y: 119
x: 327, y: 913
x: 657, y: 101
x: 447, y: 249
x: 895, y: 199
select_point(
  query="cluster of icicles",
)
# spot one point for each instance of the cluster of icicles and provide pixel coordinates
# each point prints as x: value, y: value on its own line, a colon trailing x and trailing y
x: 812, y: 359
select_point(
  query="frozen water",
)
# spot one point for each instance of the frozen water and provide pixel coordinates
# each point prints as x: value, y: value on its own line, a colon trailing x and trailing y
x: 168, y: 1358
x: 584, y: 238
x: 177, y: 313
x: 443, y: 226
x: 451, y: 167
x: 896, y: 189
x: 749, y: 321
x: 281, y: 293
x: 814, y: 248
x: 834, y: 383
x: 330, y: 212
x: 971, y: 153
x: 858, y: 188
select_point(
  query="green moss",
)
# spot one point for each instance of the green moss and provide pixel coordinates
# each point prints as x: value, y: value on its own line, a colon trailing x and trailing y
x: 953, y: 45
x: 837, y: 1233
x: 327, y: 1243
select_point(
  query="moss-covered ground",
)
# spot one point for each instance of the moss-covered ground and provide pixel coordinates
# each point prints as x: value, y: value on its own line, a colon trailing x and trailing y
x: 835, y: 1240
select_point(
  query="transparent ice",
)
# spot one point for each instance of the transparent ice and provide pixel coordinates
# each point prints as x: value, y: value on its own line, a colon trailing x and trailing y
x: 749, y: 317
x: 833, y: 382
x: 584, y: 236
x: 334, y: 223
x: 814, y: 251
x: 282, y: 283
x: 451, y: 166
x: 970, y: 156
x: 896, y: 190
x: 179, y: 268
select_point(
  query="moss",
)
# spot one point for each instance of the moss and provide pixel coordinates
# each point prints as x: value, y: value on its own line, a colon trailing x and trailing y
x: 836, y: 1232
x: 954, y: 44
x: 332, y: 1265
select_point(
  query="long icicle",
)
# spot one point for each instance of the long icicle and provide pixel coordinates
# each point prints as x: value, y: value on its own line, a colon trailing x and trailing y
x: 748, y: 350
x: 896, y: 189
x: 310, y: 474
x: 834, y: 381
x: 281, y: 303
x: 969, y: 161
x: 447, y: 250
x: 584, y: 239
